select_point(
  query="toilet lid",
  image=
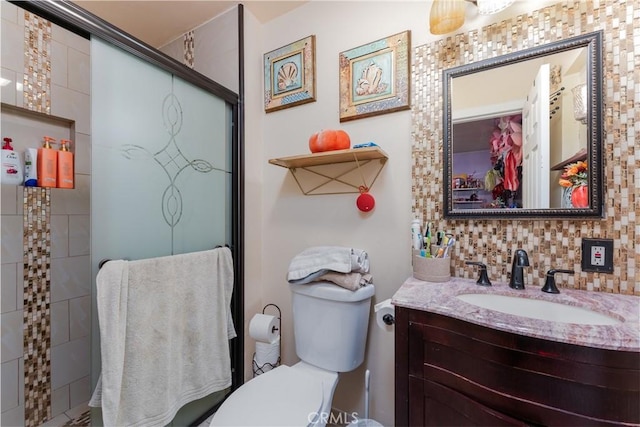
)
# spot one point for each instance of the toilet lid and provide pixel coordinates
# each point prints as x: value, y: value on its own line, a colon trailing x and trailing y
x: 281, y: 397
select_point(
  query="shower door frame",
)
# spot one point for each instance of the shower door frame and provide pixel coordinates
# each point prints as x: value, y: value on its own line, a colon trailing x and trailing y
x: 85, y: 24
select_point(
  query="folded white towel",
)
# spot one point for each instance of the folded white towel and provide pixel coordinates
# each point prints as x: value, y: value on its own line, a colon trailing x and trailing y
x: 315, y: 261
x: 164, y: 332
x: 351, y: 281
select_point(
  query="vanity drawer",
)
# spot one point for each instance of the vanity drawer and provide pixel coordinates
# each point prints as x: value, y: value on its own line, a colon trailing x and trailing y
x: 535, y: 380
x: 437, y: 405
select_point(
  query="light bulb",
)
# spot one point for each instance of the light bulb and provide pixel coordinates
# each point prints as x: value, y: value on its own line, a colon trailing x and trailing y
x: 446, y: 16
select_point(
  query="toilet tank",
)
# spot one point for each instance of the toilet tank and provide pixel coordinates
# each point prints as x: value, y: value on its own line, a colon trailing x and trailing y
x: 330, y: 324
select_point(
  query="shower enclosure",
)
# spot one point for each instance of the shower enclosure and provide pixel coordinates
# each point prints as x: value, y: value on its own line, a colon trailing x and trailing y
x: 166, y: 164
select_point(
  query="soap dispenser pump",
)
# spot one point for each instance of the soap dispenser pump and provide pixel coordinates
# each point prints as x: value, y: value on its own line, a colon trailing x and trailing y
x: 11, y: 165
x: 47, y: 164
x: 65, y: 165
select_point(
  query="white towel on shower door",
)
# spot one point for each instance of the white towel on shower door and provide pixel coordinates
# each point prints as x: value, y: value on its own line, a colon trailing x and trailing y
x: 164, y: 334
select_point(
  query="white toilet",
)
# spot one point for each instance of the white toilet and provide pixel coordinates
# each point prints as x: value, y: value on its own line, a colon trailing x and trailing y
x: 330, y: 327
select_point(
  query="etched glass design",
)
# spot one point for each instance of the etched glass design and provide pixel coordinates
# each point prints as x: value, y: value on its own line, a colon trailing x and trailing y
x: 161, y: 161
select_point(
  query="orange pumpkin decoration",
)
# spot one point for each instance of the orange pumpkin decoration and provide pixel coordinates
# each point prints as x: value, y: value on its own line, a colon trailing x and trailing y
x: 329, y: 140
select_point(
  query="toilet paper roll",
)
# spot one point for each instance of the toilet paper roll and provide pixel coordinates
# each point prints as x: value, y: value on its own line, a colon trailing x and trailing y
x: 381, y: 309
x: 259, y: 369
x: 264, y: 328
x: 267, y: 355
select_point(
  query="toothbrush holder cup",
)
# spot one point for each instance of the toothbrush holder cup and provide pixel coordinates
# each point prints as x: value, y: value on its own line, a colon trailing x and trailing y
x: 431, y: 269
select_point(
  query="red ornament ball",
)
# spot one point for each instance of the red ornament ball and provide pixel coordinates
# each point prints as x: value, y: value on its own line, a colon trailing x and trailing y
x: 365, y: 202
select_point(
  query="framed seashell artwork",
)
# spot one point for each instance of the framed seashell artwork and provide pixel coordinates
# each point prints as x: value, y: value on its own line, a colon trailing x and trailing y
x: 374, y: 78
x: 289, y: 75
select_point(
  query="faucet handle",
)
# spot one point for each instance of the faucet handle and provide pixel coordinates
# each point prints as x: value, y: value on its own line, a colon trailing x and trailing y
x: 550, y: 282
x: 483, y: 280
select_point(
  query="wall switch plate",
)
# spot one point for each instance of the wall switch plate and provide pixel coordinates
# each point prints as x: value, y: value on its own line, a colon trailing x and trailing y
x: 597, y: 255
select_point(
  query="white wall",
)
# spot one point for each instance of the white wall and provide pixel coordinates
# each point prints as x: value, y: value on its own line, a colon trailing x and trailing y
x: 254, y: 298
x: 293, y: 222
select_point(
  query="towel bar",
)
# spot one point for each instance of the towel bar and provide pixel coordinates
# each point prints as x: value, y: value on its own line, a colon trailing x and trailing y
x: 106, y: 260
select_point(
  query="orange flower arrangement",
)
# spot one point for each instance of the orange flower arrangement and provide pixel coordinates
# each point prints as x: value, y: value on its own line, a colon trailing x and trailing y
x: 574, y: 175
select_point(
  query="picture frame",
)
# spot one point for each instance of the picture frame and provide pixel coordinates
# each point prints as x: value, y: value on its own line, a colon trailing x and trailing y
x: 289, y: 75
x: 374, y: 78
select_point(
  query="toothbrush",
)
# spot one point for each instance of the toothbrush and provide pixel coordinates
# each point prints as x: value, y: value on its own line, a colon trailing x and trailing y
x: 427, y: 246
x: 450, y: 243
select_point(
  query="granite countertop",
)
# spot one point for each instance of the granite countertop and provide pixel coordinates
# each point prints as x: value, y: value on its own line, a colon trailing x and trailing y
x: 440, y: 298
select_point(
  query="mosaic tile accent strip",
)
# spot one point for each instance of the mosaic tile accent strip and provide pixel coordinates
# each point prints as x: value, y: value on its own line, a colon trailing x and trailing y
x: 37, y: 63
x: 83, y: 420
x: 190, y: 49
x: 549, y: 243
x: 37, y: 305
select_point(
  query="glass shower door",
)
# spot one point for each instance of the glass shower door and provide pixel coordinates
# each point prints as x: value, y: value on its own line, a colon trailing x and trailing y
x: 161, y: 168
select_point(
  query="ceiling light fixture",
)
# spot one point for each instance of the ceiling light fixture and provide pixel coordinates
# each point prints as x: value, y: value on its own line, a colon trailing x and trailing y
x: 448, y: 15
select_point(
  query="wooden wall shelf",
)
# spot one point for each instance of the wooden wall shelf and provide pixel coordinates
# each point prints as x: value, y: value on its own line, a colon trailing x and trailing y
x: 358, y: 156
x: 579, y: 156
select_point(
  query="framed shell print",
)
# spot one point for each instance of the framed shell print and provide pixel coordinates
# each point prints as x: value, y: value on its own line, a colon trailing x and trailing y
x: 374, y: 78
x: 289, y: 75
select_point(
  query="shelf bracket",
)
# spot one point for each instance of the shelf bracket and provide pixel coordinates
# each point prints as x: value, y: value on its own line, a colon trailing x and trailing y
x: 337, y: 178
x: 310, y: 164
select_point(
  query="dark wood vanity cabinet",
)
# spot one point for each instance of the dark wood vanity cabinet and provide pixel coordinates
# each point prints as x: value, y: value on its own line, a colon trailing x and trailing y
x: 451, y: 372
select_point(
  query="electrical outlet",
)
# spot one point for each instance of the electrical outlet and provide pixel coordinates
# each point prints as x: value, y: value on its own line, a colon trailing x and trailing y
x: 597, y: 255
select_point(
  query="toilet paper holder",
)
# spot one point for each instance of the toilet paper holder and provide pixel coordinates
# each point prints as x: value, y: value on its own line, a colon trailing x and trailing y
x: 388, y: 319
x: 261, y: 369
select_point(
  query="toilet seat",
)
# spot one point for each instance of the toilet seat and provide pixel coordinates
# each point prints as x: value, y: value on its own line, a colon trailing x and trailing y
x: 282, y: 397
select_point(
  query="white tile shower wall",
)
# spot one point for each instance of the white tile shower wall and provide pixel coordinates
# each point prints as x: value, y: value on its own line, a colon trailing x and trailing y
x: 10, y: 383
x: 59, y: 236
x: 11, y: 312
x: 59, y: 322
x: 70, y: 362
x: 59, y: 401
x: 8, y: 91
x: 12, y: 47
x: 9, y: 297
x: 78, y: 391
x: 79, y: 228
x: 71, y: 280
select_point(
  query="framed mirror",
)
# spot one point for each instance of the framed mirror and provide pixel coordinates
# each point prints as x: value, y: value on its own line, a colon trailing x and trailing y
x: 523, y: 133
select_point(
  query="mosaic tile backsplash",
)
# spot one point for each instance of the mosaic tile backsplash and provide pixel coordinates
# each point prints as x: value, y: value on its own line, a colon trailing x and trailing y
x: 549, y: 243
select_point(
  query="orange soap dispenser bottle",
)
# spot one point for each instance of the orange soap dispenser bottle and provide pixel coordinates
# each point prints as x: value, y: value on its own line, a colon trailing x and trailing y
x: 47, y: 164
x: 65, y: 165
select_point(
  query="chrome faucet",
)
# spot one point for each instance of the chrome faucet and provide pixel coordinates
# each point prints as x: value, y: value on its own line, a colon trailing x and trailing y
x: 520, y: 260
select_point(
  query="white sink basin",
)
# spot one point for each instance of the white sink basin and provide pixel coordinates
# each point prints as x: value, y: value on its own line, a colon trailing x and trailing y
x: 538, y: 309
